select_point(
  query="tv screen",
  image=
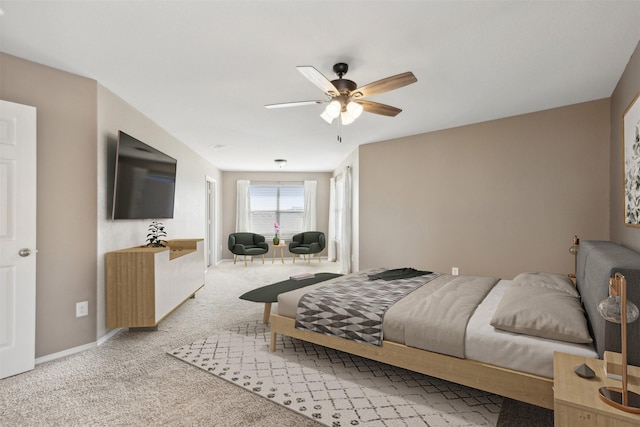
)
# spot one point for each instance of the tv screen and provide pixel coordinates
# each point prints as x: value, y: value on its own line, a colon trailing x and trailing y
x: 145, y: 181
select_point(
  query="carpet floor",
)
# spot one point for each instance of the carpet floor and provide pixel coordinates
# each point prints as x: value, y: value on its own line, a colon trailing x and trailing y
x: 131, y: 380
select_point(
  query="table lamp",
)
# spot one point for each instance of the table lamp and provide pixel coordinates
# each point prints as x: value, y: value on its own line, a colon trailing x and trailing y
x: 612, y: 309
x: 573, y: 250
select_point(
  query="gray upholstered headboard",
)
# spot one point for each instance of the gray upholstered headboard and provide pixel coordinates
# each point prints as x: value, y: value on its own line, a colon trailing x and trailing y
x: 597, y: 262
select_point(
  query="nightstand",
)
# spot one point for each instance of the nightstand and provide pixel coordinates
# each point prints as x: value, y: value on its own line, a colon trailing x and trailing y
x: 576, y: 401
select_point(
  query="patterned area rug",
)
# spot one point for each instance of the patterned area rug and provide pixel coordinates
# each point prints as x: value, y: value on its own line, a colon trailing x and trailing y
x: 334, y: 388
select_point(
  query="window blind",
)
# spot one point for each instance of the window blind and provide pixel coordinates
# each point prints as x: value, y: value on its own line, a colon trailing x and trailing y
x: 281, y: 202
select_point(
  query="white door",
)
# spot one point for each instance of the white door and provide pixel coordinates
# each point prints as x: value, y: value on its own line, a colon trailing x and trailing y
x: 17, y: 238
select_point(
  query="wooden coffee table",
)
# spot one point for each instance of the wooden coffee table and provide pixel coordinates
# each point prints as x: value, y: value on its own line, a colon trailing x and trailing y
x: 269, y: 294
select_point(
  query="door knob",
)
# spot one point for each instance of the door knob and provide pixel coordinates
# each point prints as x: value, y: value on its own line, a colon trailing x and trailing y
x: 24, y: 252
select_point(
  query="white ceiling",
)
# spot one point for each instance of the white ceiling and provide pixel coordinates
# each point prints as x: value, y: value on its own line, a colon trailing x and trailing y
x: 203, y: 70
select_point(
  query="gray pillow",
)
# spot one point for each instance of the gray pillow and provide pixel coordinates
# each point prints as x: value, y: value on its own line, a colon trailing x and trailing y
x: 543, y: 305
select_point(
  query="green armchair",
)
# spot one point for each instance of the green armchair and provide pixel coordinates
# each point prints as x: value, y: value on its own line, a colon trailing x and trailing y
x: 247, y: 244
x: 308, y: 243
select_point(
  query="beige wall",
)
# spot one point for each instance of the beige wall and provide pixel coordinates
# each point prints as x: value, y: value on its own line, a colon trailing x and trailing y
x: 229, y: 182
x: 496, y: 198
x: 77, y: 124
x: 189, y: 219
x: 67, y: 200
x: 628, y: 87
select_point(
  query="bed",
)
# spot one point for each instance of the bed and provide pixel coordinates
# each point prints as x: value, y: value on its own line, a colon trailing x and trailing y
x: 514, y: 365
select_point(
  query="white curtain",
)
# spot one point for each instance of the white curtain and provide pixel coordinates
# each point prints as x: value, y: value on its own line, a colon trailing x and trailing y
x: 309, y: 218
x: 243, y: 206
x: 331, y: 249
x: 345, y: 239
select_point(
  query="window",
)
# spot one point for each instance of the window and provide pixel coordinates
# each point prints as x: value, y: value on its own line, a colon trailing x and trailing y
x: 281, y: 202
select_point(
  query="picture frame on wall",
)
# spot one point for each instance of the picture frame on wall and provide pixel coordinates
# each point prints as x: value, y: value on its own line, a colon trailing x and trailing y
x: 631, y: 162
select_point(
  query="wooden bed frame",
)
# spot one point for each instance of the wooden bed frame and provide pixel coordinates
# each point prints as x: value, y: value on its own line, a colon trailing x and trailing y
x: 505, y: 382
x: 517, y: 385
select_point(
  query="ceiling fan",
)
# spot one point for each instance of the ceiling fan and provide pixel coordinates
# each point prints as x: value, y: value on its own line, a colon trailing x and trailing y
x: 345, y: 98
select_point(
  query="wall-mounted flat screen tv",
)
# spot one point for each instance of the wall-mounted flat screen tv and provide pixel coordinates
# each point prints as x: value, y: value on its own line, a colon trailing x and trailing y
x: 145, y: 181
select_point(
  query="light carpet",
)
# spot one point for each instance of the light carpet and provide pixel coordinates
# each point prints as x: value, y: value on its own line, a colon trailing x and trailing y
x: 335, y: 388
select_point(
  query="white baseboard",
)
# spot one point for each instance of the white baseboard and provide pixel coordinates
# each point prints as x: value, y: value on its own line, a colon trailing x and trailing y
x: 64, y: 353
x: 110, y: 335
x: 74, y: 350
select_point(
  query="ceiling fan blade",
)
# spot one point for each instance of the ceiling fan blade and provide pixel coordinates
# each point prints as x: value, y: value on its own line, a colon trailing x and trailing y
x: 384, y: 85
x: 319, y: 80
x: 377, y: 108
x: 294, y: 104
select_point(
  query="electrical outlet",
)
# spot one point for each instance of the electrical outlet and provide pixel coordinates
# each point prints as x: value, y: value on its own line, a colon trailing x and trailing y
x: 82, y: 308
x: 454, y: 271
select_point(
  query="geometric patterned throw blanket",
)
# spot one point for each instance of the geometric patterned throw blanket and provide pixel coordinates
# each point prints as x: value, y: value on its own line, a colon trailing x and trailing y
x: 353, y: 307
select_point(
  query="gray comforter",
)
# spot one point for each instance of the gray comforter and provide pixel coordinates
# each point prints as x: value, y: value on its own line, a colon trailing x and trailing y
x: 445, y: 315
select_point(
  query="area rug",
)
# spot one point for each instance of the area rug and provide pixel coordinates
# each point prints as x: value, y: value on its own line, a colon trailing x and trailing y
x: 334, y: 388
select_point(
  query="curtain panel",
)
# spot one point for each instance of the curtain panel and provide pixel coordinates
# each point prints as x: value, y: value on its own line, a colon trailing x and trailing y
x: 309, y: 218
x: 243, y: 206
x: 345, y: 239
x: 331, y: 241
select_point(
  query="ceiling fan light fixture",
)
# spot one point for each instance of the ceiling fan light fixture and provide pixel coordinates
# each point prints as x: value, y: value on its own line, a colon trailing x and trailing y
x: 347, y: 118
x: 326, y: 117
x: 333, y: 109
x: 354, y: 109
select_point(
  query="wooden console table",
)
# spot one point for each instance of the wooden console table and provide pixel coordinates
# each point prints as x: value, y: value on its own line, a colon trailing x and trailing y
x: 144, y: 285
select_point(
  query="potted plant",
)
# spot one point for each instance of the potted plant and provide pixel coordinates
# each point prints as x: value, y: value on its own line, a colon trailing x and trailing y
x: 156, y: 235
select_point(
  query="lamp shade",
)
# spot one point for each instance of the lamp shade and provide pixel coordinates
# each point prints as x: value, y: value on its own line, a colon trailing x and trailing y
x: 611, y: 309
x: 333, y: 109
x: 354, y: 109
x: 326, y: 117
x: 346, y: 118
